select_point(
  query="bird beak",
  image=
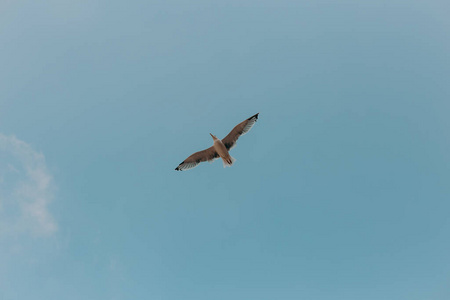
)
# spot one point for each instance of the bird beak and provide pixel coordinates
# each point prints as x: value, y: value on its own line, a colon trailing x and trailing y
x: 211, y: 135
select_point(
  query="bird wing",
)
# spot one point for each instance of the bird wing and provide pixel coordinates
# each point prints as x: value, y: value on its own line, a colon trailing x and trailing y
x: 196, y: 158
x: 242, y: 128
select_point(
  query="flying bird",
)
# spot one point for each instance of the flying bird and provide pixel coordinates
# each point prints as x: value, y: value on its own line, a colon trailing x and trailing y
x: 220, y: 148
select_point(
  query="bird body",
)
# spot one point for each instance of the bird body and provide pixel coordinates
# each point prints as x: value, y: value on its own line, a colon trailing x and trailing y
x: 220, y: 148
x: 223, y: 152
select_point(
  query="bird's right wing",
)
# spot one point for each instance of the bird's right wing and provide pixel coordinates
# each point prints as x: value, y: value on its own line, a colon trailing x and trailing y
x: 242, y: 128
x: 198, y: 157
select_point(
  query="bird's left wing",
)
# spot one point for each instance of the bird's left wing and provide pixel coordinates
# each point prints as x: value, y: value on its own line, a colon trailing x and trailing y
x: 198, y: 157
x: 242, y: 128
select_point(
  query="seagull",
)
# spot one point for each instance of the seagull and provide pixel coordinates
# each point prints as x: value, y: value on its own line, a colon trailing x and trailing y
x: 220, y: 148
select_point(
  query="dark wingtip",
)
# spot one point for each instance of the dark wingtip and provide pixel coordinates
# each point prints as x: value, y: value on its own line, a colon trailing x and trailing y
x: 254, y: 116
x: 178, y: 168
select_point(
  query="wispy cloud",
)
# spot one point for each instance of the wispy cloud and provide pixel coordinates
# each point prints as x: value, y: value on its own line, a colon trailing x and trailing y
x: 26, y: 190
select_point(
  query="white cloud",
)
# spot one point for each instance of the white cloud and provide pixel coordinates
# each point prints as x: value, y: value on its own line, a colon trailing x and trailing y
x: 26, y: 190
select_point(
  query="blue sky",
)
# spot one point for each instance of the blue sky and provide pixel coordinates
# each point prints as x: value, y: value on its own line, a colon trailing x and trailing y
x: 340, y: 191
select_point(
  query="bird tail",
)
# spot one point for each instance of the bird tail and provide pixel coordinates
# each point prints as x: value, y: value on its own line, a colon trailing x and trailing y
x: 228, y: 162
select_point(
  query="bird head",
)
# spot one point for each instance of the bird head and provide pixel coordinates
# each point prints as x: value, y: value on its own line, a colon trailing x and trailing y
x: 214, y: 137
